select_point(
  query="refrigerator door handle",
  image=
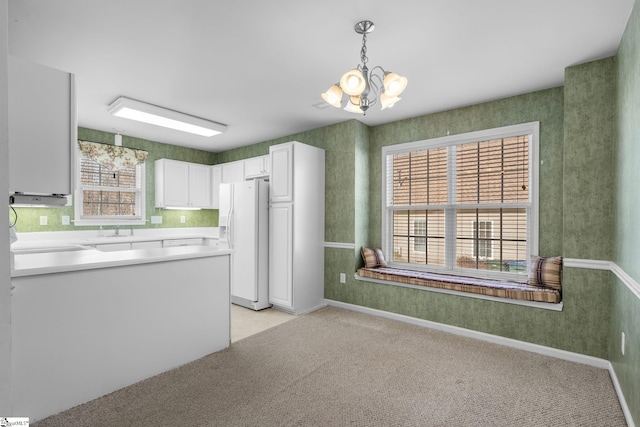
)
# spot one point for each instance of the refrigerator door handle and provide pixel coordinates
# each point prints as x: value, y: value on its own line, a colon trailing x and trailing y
x: 230, y: 230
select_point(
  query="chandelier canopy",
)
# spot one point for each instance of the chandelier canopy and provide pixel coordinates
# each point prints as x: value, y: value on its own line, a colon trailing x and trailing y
x: 365, y: 88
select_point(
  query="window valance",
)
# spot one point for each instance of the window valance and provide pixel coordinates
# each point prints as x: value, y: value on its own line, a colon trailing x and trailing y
x: 112, y: 157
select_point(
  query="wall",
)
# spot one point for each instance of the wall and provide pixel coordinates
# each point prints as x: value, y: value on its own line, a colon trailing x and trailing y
x: 625, y: 305
x: 582, y: 326
x: 5, y: 275
x: 29, y: 218
x: 338, y: 142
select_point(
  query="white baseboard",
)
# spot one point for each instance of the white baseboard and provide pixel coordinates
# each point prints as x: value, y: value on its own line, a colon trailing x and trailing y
x: 623, y: 401
x: 495, y: 339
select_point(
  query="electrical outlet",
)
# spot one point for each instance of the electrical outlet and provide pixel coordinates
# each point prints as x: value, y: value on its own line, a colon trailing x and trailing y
x: 183, y: 219
x: 44, y: 220
x: 156, y: 219
x: 343, y: 278
x: 65, y: 220
x: 622, y: 339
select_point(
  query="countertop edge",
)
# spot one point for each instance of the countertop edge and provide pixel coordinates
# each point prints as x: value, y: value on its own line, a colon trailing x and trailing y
x: 63, y: 262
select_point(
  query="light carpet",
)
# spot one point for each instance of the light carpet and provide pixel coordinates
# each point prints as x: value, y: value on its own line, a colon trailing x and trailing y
x: 335, y: 367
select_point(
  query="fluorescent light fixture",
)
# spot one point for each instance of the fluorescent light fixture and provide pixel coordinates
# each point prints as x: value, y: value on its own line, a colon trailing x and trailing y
x: 136, y: 110
x: 176, y: 208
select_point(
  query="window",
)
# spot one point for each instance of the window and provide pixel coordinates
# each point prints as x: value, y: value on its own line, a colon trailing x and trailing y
x: 419, y: 235
x: 464, y: 204
x: 482, y: 245
x: 109, y: 197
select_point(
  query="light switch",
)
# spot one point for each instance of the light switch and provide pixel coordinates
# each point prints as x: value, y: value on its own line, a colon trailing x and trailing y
x: 44, y: 220
x: 156, y: 219
x: 65, y: 220
x: 183, y: 219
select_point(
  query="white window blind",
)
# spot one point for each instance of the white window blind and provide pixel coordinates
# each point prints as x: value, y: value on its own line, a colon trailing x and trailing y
x: 466, y: 204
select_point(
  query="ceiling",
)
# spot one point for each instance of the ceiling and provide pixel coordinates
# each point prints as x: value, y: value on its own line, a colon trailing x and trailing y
x: 260, y: 66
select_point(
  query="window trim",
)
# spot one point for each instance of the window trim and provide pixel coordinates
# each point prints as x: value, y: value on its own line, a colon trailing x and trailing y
x: 104, y: 220
x: 531, y: 128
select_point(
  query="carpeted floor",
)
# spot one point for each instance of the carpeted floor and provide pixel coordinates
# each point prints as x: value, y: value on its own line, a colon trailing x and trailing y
x: 338, y: 368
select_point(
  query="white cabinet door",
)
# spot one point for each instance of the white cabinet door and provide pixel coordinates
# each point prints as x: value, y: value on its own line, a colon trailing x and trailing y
x: 281, y: 255
x: 281, y: 180
x: 182, y: 184
x: 233, y: 172
x: 147, y: 245
x: 256, y: 167
x: 182, y: 242
x: 112, y: 247
x: 199, y: 186
x: 172, y: 183
x: 216, y: 180
x: 42, y: 128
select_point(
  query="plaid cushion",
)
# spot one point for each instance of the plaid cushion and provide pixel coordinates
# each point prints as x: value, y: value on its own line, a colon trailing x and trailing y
x: 546, y: 272
x: 373, y: 257
x: 512, y: 290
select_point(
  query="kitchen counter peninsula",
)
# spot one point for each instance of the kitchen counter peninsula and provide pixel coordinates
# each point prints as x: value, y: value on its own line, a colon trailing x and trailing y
x: 29, y: 264
x: 86, y: 323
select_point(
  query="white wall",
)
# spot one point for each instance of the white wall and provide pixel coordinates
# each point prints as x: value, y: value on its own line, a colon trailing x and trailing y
x: 5, y: 275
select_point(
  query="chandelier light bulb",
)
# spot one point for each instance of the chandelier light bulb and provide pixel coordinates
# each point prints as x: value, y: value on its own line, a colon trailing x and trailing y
x: 353, y: 105
x: 394, y: 84
x: 353, y: 82
x: 333, y: 96
x: 388, y: 101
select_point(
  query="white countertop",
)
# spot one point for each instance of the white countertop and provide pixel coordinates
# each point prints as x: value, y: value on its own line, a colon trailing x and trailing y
x: 29, y: 264
x: 58, y: 240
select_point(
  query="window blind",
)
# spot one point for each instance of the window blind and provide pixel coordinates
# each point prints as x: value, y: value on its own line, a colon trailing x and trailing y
x: 460, y: 205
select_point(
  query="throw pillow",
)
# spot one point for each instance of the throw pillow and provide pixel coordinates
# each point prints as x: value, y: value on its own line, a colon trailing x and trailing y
x: 545, y: 272
x: 373, y: 258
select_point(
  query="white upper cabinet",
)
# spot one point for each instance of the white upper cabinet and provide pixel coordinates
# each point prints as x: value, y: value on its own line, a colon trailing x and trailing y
x: 216, y: 180
x: 281, y: 180
x: 233, y: 172
x: 199, y: 186
x: 42, y: 128
x: 182, y: 184
x: 256, y: 167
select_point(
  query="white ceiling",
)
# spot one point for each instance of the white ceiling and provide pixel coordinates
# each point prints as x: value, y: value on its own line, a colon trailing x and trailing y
x: 260, y: 66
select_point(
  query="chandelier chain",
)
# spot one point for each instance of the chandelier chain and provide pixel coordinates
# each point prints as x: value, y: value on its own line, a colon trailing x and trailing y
x: 363, y: 51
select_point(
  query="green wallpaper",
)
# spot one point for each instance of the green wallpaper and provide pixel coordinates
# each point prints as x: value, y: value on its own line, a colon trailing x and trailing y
x: 586, y: 294
x: 627, y: 155
x: 544, y: 106
x: 589, y: 139
x: 353, y: 171
x: 625, y: 306
x: 362, y: 185
x: 29, y: 218
x: 340, y: 154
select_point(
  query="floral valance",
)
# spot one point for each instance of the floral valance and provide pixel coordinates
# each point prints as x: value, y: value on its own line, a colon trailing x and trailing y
x: 112, y: 157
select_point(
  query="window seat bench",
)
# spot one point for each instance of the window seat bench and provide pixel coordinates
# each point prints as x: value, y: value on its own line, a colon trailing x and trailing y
x: 487, y: 287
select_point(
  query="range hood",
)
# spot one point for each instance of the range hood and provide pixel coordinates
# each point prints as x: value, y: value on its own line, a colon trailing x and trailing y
x: 36, y: 200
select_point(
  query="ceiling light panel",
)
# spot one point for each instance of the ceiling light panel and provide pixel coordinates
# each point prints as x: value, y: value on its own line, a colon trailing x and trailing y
x: 152, y: 114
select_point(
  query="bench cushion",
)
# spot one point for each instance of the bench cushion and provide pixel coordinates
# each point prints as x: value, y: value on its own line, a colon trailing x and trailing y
x: 513, y: 290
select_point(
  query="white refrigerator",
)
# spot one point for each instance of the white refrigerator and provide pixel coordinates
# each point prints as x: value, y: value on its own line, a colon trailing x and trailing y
x: 244, y: 227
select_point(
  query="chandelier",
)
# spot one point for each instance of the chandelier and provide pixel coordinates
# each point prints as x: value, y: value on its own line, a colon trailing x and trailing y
x: 365, y: 88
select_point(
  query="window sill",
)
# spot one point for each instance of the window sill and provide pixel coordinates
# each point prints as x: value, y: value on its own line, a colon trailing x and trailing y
x: 534, y: 304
